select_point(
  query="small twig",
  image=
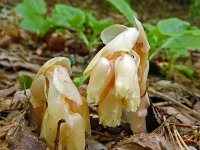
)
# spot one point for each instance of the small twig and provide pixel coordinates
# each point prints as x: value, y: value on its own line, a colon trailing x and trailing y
x: 160, y: 128
x: 159, y: 104
x: 18, y: 124
x: 189, y: 103
x: 197, y: 134
x: 167, y: 98
x: 177, y: 139
x: 187, y: 126
x: 180, y: 138
x: 170, y: 133
x: 58, y: 134
x: 191, y: 93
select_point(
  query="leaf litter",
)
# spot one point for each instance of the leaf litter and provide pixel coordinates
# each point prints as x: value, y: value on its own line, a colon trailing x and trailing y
x: 177, y: 109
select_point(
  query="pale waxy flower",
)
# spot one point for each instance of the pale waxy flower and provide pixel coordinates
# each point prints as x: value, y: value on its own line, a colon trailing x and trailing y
x: 137, y: 119
x: 55, y: 97
x: 118, y: 77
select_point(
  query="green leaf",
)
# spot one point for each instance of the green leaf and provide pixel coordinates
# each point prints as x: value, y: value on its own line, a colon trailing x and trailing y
x: 68, y: 16
x: 194, y: 32
x: 36, y: 5
x: 33, y: 16
x: 149, y: 26
x: 25, y: 82
x: 172, y: 26
x: 31, y: 7
x: 25, y: 10
x: 125, y: 9
x: 97, y: 25
x: 78, y: 81
x: 156, y: 38
x: 188, y: 71
x: 181, y: 52
x: 184, y: 41
x: 36, y: 24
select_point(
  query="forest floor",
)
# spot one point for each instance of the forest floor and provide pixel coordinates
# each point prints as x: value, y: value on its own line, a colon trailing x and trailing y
x: 173, y: 118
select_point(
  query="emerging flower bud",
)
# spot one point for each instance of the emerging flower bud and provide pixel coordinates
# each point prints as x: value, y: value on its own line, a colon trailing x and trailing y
x: 118, y: 77
x: 55, y: 97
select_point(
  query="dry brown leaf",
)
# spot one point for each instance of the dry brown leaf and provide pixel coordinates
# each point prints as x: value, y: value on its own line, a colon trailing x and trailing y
x: 24, y: 140
x: 3, y: 145
x: 94, y: 145
x: 197, y: 106
x: 144, y: 141
x: 21, y: 99
x: 6, y: 92
x: 5, y: 103
x: 180, y: 115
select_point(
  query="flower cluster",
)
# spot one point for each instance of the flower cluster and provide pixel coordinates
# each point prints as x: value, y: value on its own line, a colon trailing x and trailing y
x: 55, y: 97
x: 117, y: 84
x: 118, y: 77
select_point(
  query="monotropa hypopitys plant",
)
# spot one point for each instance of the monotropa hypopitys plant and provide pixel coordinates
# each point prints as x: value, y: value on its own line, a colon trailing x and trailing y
x: 118, y: 76
x: 55, y: 97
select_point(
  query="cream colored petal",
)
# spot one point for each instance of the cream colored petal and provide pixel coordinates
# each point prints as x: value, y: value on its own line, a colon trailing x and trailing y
x: 64, y: 84
x: 72, y: 132
x: 76, y: 139
x: 99, y: 79
x: 38, y: 88
x: 55, y: 100
x: 110, y: 110
x: 37, y: 91
x: 85, y: 115
x: 137, y: 120
x: 143, y: 79
x: 142, y: 49
x: 124, y: 75
x: 133, y: 102
x: 49, y: 129
x: 136, y: 58
x: 122, y: 42
x: 92, y: 63
x: 63, y: 61
x: 142, y: 37
x: 109, y: 33
x: 126, y: 82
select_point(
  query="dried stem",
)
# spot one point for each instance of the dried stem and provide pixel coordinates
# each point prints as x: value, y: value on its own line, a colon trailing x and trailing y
x: 58, y: 134
x: 167, y: 98
x: 170, y: 133
x: 180, y: 138
x: 177, y: 139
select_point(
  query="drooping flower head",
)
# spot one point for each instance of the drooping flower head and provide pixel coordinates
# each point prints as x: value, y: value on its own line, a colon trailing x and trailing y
x: 55, y: 97
x: 118, y: 74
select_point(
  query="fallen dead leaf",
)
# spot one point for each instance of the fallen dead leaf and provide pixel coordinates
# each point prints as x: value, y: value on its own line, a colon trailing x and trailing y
x: 197, y: 106
x: 5, y: 104
x: 180, y: 115
x: 25, y: 140
x: 94, y: 145
x: 3, y: 145
x: 6, y: 92
x: 144, y: 141
x: 21, y: 99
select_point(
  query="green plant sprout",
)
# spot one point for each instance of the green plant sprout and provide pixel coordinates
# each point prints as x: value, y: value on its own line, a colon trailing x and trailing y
x: 125, y: 9
x: 62, y: 17
x: 171, y: 38
x: 25, y: 82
